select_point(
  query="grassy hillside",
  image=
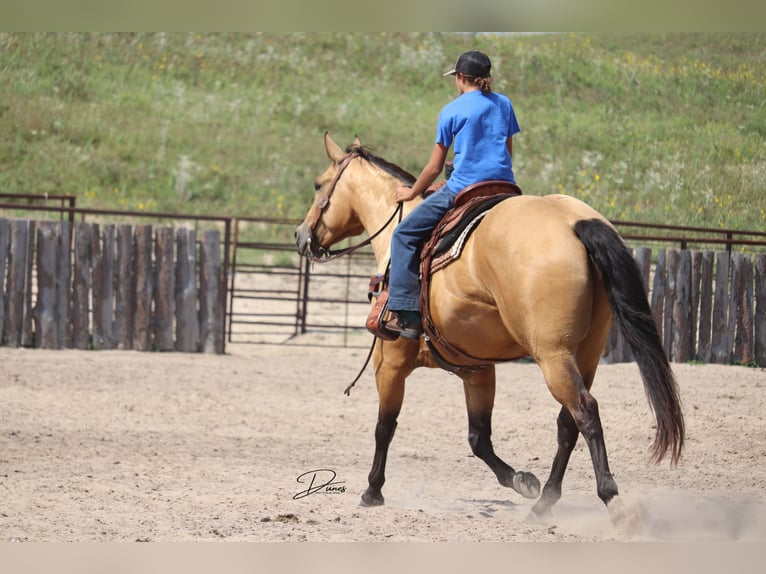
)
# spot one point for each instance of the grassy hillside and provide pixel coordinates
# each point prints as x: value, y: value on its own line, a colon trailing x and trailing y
x: 653, y: 128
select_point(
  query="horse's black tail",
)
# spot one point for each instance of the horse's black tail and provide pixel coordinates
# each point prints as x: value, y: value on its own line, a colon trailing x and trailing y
x: 630, y: 307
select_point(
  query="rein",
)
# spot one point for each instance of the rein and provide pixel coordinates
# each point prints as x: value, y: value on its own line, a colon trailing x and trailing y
x: 332, y: 254
x: 347, y: 392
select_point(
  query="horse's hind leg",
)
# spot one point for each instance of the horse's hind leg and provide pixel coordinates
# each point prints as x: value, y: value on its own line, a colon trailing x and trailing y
x: 567, y: 438
x: 480, y: 398
x: 580, y: 413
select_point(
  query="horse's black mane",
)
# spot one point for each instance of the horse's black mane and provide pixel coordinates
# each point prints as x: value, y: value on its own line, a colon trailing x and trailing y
x: 390, y: 168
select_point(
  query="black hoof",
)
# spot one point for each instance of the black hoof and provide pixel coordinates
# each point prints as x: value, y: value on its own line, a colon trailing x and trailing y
x: 627, y: 518
x: 526, y: 484
x: 370, y: 499
x: 540, y: 515
x: 539, y: 519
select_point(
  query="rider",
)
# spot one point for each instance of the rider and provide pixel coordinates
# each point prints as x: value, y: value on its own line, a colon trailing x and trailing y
x: 481, y: 124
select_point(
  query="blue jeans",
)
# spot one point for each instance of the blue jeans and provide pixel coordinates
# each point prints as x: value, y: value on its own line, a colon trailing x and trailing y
x: 408, y: 238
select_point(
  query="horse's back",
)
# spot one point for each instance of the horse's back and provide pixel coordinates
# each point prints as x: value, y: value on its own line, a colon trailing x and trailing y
x: 539, y: 215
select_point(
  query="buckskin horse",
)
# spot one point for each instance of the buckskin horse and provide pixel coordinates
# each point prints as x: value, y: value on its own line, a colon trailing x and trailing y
x: 540, y: 277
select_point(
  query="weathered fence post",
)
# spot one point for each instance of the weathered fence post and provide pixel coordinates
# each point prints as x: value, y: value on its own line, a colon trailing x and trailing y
x: 720, y: 331
x: 125, y: 289
x: 27, y: 332
x: 4, y: 244
x: 741, y: 318
x: 164, y: 301
x: 735, y: 284
x: 103, y: 288
x: 187, y: 314
x: 748, y: 314
x: 64, y: 284
x: 705, y: 307
x: 211, y: 308
x: 81, y: 285
x: 45, y: 312
x: 144, y: 288
x: 18, y: 282
x: 682, y: 344
x: 670, y: 299
x: 658, y: 291
x: 696, y: 274
x: 759, y: 320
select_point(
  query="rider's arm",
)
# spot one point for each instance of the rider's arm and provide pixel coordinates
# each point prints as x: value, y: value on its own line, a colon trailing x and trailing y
x: 430, y: 172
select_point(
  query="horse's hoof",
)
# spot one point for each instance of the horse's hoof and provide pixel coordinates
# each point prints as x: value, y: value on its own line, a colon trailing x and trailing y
x: 540, y: 518
x: 541, y: 513
x: 628, y: 519
x: 526, y: 484
x: 369, y: 500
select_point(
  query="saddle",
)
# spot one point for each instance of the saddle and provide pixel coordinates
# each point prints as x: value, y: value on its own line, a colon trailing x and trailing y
x: 442, y: 248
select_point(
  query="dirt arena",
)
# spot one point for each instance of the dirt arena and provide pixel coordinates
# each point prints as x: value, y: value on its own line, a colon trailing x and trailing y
x: 128, y: 446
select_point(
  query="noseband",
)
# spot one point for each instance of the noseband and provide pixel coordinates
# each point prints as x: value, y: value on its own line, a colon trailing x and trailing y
x: 326, y: 255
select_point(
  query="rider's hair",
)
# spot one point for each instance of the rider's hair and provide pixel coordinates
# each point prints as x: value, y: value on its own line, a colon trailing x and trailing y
x: 484, y: 84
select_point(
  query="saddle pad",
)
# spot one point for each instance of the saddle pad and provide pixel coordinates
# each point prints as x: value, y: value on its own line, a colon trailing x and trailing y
x: 466, y: 224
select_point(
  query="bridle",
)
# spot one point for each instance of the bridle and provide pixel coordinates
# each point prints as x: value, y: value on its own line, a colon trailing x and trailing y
x: 326, y: 255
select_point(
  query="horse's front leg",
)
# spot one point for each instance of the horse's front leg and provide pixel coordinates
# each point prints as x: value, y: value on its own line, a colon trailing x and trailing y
x: 393, y: 363
x: 480, y: 399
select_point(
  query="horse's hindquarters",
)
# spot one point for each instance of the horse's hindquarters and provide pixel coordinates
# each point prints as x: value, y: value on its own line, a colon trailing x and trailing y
x: 523, y: 286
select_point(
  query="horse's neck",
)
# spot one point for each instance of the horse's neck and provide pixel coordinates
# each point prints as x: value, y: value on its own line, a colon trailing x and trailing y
x: 375, y: 211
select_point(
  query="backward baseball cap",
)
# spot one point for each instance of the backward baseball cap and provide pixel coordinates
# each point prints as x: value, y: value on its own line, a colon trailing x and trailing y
x: 473, y: 63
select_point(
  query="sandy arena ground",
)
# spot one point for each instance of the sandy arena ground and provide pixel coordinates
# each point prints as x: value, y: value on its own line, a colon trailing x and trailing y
x: 128, y: 446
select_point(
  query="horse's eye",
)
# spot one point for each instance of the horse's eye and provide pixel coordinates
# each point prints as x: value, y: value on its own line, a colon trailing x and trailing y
x: 317, y: 186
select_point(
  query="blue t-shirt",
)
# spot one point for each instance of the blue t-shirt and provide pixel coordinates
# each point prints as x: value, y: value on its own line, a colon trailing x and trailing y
x: 479, y: 125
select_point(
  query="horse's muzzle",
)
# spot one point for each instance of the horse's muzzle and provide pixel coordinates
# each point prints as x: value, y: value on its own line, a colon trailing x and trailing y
x: 302, y: 240
x: 305, y: 244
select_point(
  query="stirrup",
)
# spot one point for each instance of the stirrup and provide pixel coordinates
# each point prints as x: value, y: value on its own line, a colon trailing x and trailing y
x: 408, y: 331
x: 376, y: 323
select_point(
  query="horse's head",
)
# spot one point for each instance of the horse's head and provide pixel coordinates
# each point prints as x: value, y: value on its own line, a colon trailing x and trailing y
x: 331, y: 217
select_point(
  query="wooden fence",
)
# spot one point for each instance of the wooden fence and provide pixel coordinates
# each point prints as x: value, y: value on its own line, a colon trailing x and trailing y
x: 709, y: 306
x: 86, y: 285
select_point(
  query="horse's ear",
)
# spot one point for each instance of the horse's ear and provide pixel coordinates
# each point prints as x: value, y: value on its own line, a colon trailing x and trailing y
x: 333, y: 150
x: 357, y: 142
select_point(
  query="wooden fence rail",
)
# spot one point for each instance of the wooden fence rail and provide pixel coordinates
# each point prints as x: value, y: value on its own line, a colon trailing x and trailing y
x: 110, y: 287
x: 709, y: 306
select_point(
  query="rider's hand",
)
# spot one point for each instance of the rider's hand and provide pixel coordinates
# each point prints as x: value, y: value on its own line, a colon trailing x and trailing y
x: 404, y: 193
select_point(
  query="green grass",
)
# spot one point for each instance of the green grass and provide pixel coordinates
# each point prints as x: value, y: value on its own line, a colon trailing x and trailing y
x: 645, y: 127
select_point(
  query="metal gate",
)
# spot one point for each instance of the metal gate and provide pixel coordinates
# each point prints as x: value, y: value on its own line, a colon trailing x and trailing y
x: 278, y: 297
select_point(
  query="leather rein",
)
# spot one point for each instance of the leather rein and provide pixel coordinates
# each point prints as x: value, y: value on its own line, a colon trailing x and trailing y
x: 326, y: 255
